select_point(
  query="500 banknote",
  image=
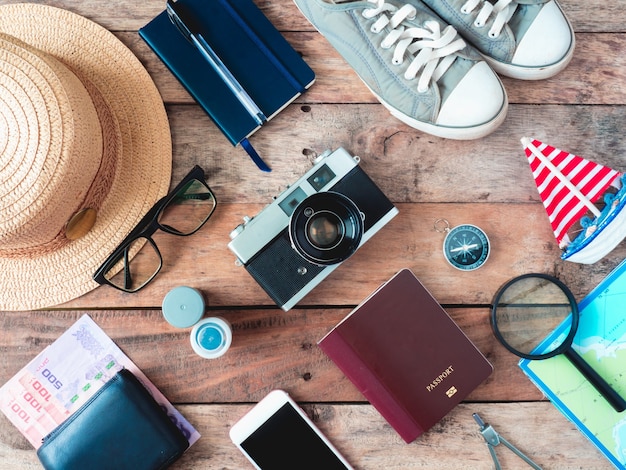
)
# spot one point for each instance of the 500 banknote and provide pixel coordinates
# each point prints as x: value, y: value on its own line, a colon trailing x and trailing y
x: 65, y: 375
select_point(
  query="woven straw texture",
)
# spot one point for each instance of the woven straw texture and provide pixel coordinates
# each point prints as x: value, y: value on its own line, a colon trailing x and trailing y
x: 54, y: 146
x: 106, y: 145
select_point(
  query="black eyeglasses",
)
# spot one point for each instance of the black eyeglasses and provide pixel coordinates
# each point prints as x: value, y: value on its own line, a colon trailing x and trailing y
x: 137, y: 260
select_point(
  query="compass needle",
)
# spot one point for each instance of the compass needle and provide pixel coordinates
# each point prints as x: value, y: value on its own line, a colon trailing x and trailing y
x: 466, y: 247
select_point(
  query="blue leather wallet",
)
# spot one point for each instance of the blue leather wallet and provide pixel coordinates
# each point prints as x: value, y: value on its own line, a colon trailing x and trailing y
x: 120, y: 427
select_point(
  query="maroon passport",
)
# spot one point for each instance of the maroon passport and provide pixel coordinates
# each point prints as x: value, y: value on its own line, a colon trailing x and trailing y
x: 406, y: 355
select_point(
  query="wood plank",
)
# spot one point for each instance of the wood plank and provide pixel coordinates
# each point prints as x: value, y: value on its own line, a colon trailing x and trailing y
x: 521, y: 241
x: 485, y: 182
x: 592, y: 77
x: 606, y: 17
x: 270, y: 349
x: 409, y: 166
x: 368, y: 442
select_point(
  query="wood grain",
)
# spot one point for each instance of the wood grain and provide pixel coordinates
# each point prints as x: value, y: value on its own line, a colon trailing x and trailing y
x: 585, y: 15
x: 485, y: 182
x: 520, y: 236
x: 270, y: 349
x: 592, y: 77
x: 367, y: 441
x: 409, y: 166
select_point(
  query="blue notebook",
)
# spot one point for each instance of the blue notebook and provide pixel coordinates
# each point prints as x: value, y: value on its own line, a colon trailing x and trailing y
x: 232, y: 60
x: 601, y: 341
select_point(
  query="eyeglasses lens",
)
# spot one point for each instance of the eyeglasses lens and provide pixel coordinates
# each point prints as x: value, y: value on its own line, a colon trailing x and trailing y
x: 137, y: 265
x: 188, y: 210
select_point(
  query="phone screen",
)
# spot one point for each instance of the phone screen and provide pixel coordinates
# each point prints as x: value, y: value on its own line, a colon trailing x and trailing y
x: 286, y: 441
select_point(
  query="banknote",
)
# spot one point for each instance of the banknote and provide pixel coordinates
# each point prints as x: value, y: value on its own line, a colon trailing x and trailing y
x: 65, y: 375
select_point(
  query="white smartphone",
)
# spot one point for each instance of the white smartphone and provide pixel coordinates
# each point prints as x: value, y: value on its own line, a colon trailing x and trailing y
x: 277, y: 434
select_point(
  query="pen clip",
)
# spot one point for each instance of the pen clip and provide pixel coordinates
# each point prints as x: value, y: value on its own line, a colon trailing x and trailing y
x: 177, y: 21
x: 188, y: 27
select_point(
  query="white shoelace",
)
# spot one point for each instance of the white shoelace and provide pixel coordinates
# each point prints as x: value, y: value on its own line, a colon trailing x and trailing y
x: 502, y: 12
x: 431, y: 50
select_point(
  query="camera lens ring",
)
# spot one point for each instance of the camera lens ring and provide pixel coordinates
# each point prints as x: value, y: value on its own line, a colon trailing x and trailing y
x: 326, y: 228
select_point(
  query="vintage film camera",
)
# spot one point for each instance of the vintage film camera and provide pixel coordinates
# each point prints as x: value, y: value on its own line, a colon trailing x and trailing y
x: 311, y: 227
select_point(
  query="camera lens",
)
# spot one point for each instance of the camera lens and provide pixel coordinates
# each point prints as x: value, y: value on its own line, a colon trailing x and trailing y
x: 326, y: 228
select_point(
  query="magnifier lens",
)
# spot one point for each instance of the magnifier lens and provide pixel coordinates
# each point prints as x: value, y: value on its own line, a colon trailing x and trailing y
x: 527, y: 310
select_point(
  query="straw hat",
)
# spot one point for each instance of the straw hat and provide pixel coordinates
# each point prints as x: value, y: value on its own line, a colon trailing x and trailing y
x: 83, y: 136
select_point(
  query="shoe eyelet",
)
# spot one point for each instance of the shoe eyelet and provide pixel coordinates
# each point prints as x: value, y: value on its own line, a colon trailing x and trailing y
x: 478, y: 24
x: 421, y: 92
x: 396, y: 61
x: 374, y: 30
x: 464, y: 11
x: 493, y: 35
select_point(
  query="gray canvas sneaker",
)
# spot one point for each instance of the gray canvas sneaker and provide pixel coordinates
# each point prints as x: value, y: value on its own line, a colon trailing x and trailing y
x: 525, y: 39
x: 417, y: 67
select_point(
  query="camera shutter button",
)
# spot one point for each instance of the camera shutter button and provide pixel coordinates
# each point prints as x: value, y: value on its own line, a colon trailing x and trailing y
x: 322, y: 155
x: 236, y: 231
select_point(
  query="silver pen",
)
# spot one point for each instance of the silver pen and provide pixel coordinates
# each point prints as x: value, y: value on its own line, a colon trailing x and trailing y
x: 211, y: 56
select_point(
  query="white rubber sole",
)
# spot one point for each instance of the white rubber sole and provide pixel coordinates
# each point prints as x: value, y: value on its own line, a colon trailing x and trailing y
x: 454, y: 133
x: 530, y: 73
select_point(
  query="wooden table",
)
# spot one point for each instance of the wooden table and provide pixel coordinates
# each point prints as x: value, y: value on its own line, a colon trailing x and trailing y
x: 484, y: 182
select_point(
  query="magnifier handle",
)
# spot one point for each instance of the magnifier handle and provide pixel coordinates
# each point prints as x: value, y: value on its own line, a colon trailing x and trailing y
x: 616, y: 401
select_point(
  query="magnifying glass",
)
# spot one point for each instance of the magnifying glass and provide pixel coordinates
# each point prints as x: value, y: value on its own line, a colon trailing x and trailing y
x: 527, y: 309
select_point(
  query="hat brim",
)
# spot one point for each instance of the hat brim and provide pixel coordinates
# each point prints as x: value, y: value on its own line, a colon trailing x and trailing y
x: 143, y: 169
